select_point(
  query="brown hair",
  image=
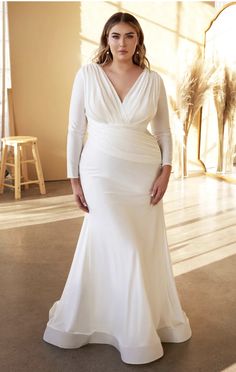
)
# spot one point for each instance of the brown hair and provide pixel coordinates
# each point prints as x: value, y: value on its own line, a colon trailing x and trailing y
x: 102, y: 57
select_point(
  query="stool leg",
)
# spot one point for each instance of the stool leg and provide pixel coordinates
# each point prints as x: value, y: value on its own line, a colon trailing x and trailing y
x: 39, y: 171
x: 3, y: 166
x: 17, y: 172
x: 24, y: 166
x: 10, y: 158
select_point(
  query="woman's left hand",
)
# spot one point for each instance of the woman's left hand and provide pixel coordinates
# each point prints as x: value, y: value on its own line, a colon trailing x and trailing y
x: 159, y: 185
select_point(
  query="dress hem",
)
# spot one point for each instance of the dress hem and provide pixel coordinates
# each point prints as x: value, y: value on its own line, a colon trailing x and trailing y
x: 129, y: 355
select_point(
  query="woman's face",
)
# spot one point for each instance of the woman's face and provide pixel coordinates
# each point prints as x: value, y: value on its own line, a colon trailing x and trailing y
x: 122, y: 40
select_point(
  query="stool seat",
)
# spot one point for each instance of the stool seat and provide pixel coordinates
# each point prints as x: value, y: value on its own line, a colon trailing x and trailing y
x: 19, y: 144
x: 18, y: 139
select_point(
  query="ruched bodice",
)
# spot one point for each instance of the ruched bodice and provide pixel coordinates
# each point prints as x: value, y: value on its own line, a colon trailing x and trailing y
x: 137, y: 109
x: 95, y: 104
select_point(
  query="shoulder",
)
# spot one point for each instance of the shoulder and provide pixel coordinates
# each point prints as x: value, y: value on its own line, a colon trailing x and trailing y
x: 155, y: 75
x: 88, y: 72
x: 85, y: 69
x: 157, y: 78
x: 82, y: 73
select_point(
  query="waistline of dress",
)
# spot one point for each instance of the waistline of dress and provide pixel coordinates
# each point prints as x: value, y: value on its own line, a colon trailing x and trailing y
x: 124, y: 141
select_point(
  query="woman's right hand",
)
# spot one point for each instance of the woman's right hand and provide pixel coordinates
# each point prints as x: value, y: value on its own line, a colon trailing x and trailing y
x: 79, y: 194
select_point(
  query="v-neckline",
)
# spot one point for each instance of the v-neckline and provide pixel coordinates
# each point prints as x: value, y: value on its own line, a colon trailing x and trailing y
x: 114, y: 89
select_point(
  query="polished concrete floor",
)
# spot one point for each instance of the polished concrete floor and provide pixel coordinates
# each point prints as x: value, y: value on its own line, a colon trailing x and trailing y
x: 38, y: 235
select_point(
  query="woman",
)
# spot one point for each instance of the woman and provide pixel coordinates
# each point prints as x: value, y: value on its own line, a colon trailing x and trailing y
x: 120, y: 289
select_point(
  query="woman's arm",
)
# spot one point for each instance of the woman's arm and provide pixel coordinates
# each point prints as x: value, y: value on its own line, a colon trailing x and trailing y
x: 76, y: 127
x: 75, y: 137
x: 160, y: 128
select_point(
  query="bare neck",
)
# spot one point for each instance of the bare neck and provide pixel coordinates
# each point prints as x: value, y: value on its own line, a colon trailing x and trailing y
x: 122, y: 67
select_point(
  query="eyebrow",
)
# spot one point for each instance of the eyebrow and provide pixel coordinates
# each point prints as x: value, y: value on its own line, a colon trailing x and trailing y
x: 127, y: 33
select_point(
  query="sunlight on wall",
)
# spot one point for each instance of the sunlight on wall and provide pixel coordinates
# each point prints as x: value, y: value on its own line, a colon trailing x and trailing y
x: 170, y: 34
x: 90, y: 32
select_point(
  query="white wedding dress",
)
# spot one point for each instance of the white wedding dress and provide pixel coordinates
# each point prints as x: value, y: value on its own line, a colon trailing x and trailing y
x: 120, y: 289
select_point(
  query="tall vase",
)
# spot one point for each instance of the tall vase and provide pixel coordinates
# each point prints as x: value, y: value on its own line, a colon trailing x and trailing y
x: 229, y: 157
x: 185, y: 155
x: 178, y: 147
x: 220, y: 159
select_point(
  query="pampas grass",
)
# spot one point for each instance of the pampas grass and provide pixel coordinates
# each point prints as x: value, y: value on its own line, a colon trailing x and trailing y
x: 197, y: 81
x: 219, y: 94
x: 191, y: 92
x: 229, y: 116
x: 224, y: 92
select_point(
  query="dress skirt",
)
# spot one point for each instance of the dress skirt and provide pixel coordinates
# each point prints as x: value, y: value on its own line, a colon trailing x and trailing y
x: 120, y: 289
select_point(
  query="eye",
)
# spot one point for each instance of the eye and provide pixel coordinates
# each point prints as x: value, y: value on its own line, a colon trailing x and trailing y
x: 130, y: 36
x: 115, y: 36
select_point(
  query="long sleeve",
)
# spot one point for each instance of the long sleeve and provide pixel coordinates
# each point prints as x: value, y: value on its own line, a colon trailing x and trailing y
x: 77, y: 126
x: 160, y: 126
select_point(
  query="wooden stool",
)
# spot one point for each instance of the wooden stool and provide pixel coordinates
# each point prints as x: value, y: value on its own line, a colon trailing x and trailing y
x: 20, y: 162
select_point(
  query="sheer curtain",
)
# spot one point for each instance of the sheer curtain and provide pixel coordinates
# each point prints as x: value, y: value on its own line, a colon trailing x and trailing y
x: 5, y: 76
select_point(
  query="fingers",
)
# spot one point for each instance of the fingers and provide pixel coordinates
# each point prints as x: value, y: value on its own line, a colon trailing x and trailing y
x: 156, y: 196
x: 153, y: 190
x: 80, y: 200
x: 80, y: 204
x: 79, y: 196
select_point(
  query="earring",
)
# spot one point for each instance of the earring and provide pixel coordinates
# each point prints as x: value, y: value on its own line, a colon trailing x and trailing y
x: 137, y: 52
x: 108, y: 52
